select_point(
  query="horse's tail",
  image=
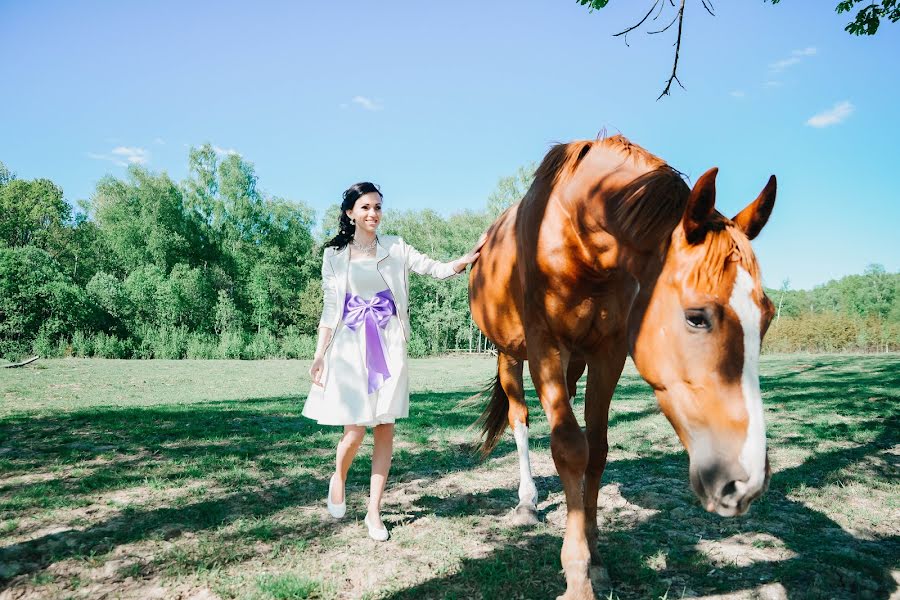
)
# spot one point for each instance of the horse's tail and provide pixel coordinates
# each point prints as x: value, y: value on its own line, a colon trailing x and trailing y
x: 494, y: 418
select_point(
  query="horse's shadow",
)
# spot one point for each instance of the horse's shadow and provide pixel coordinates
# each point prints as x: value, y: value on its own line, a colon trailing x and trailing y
x: 821, y: 559
x: 672, y: 551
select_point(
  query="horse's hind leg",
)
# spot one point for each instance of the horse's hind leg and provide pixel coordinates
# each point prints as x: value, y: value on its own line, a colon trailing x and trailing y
x: 603, y: 374
x: 510, y: 372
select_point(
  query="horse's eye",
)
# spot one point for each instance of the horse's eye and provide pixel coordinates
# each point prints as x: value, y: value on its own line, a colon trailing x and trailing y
x: 696, y: 319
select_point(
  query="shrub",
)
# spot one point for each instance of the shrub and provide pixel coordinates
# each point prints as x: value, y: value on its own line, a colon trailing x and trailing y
x: 107, y: 346
x: 297, y: 345
x: 417, y: 347
x: 203, y: 346
x: 170, y: 343
x: 231, y: 344
x: 262, y: 345
x: 82, y: 347
x: 45, y: 347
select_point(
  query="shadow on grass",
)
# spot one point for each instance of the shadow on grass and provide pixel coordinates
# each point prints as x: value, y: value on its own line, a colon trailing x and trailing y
x: 248, y: 450
x: 251, y: 449
x: 664, y: 554
x: 824, y: 561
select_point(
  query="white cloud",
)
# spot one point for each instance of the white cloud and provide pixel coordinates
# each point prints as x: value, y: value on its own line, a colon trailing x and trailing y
x: 225, y: 151
x: 834, y: 115
x: 132, y: 154
x: 795, y: 57
x: 772, y: 84
x: 737, y: 93
x: 367, y: 103
x: 122, y: 156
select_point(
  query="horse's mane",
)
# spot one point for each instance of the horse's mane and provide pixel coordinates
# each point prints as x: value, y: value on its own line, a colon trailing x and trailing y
x: 724, y: 243
x: 645, y: 210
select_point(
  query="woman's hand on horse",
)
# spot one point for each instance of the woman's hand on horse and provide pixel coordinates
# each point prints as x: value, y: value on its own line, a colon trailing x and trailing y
x: 471, y: 256
x: 315, y: 371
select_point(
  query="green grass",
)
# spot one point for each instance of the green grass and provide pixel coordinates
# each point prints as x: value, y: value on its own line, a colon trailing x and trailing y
x: 190, y: 475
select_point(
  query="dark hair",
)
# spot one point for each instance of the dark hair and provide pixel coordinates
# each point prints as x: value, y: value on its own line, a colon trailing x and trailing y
x: 346, y: 229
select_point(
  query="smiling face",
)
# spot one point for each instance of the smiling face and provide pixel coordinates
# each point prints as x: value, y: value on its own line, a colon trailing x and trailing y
x: 366, y: 212
x: 696, y: 339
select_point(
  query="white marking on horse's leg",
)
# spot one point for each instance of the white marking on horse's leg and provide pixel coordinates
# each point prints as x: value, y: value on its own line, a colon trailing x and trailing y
x: 527, y: 489
x: 753, y: 453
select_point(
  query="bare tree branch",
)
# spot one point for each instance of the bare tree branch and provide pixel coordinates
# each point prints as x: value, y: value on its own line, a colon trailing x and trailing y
x: 674, y: 76
x: 639, y: 23
x: 659, y: 12
x: 672, y: 22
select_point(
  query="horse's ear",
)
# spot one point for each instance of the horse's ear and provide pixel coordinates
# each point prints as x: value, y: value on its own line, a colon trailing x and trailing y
x: 752, y: 219
x: 700, y: 206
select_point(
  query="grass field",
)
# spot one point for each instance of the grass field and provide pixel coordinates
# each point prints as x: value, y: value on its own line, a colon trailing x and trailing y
x: 200, y: 479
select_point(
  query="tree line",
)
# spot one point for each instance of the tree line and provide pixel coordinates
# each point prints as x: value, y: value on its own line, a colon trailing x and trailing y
x: 212, y: 267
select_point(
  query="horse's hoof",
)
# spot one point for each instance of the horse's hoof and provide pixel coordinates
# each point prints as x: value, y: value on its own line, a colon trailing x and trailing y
x: 525, y: 515
x: 579, y: 592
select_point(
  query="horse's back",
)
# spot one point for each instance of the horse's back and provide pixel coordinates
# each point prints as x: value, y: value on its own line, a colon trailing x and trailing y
x: 495, y: 290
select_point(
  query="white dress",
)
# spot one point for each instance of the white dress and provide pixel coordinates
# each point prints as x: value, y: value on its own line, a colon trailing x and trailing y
x: 343, y: 399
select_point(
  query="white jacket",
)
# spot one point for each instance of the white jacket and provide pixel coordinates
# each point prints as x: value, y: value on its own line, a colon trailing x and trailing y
x: 395, y: 259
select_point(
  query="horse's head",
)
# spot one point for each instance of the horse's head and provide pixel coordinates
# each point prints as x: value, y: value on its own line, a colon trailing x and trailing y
x: 695, y: 337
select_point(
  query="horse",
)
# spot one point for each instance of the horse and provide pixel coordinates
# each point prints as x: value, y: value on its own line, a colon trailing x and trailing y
x: 610, y: 252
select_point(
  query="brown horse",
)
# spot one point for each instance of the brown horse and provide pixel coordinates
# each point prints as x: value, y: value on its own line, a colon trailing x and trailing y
x: 611, y: 252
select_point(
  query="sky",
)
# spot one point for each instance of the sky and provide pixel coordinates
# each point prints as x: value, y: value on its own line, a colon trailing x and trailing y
x: 437, y: 101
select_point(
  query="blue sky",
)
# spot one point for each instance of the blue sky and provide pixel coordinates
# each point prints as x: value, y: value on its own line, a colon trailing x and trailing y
x: 436, y: 101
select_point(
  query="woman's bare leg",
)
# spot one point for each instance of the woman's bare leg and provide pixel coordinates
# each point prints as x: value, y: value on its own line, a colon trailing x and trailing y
x: 346, y: 451
x: 381, y: 464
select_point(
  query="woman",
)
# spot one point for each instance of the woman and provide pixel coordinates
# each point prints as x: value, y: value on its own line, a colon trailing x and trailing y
x: 359, y: 372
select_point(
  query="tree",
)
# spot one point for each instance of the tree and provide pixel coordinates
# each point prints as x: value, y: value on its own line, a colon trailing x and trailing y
x: 510, y: 190
x: 5, y: 175
x: 36, y: 297
x: 32, y: 213
x: 867, y: 20
x: 143, y: 221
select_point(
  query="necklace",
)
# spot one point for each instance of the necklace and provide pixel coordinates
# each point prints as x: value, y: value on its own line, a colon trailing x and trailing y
x: 367, y: 248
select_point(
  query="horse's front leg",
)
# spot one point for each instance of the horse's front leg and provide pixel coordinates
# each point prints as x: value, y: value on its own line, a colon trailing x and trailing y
x: 603, y: 374
x: 548, y: 366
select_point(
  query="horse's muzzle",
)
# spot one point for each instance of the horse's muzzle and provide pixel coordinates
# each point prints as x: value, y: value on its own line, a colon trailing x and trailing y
x: 725, y: 489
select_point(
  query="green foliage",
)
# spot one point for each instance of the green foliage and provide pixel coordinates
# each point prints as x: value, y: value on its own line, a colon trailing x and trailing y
x: 594, y: 4
x: 510, y: 190
x: 854, y: 313
x: 227, y: 316
x: 32, y: 213
x: 868, y: 18
x: 37, y: 298
x: 144, y: 221
x: 866, y: 22
x: 297, y: 345
x: 213, y: 268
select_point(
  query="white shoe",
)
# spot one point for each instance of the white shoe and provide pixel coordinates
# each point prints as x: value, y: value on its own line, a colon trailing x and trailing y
x: 336, y: 510
x: 380, y: 534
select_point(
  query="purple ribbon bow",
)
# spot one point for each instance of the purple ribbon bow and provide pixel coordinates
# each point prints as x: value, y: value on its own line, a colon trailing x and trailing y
x: 375, y: 313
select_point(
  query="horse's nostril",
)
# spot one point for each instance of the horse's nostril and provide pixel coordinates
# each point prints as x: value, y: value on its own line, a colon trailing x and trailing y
x: 729, y: 489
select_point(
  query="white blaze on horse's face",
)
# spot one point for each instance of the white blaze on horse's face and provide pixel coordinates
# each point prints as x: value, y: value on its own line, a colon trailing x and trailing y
x: 753, y: 453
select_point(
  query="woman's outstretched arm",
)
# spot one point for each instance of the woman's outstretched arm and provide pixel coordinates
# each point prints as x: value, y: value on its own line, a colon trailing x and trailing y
x: 424, y: 265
